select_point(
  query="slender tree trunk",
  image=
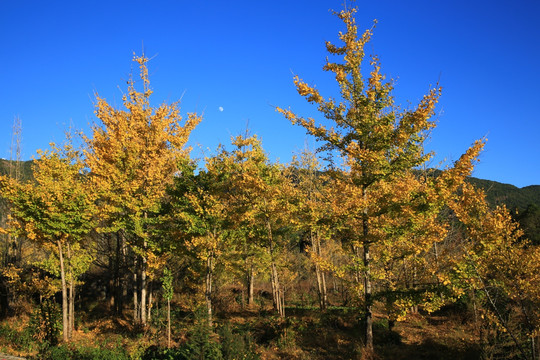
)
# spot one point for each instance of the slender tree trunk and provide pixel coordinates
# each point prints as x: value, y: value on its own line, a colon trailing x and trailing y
x: 118, y: 302
x: 368, y: 299
x: 150, y: 300
x: 367, y: 279
x: 124, y: 273
x: 65, y: 322
x: 144, y: 285
x: 208, y: 290
x: 71, y: 307
x: 168, y: 322
x: 71, y: 300
x: 136, y: 314
x: 250, y: 279
x: 321, y: 281
x: 276, y: 290
x: 112, y: 270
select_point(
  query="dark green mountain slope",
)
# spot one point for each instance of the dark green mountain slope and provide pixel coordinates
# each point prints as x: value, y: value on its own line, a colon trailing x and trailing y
x: 509, y: 195
x: 7, y: 167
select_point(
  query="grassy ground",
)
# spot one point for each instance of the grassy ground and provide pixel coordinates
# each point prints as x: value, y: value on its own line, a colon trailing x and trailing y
x: 305, y: 334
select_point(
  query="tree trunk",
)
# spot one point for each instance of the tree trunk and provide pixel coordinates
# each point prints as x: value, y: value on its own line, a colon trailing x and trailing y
x: 65, y: 322
x: 168, y: 323
x: 321, y: 281
x: 144, y: 285
x: 136, y: 314
x: 368, y: 300
x: 208, y: 289
x: 150, y: 299
x: 367, y: 279
x: 110, y: 296
x: 250, y: 278
x: 124, y: 273
x: 71, y: 300
x: 71, y: 307
x: 276, y: 290
x: 118, y: 301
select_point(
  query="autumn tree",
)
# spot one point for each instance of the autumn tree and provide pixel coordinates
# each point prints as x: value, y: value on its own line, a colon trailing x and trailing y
x: 57, y: 211
x: 199, y: 212
x: 380, y: 145
x: 260, y: 195
x: 132, y: 156
x: 11, y: 251
x: 312, y: 214
x: 501, y: 271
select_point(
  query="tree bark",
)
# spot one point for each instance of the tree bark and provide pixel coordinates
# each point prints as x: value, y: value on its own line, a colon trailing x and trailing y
x: 250, y: 284
x: 367, y: 279
x: 71, y: 299
x: 168, y: 323
x: 117, y: 297
x: 321, y: 281
x: 144, y: 282
x: 136, y: 315
x: 150, y: 300
x: 276, y: 290
x: 65, y: 322
x: 368, y: 299
x: 208, y: 289
x: 144, y: 288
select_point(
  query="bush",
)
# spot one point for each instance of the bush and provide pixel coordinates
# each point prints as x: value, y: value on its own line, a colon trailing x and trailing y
x: 67, y: 352
x: 237, y: 345
x: 45, y: 323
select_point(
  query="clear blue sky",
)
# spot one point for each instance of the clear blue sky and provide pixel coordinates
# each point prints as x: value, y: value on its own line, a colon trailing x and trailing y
x: 240, y: 55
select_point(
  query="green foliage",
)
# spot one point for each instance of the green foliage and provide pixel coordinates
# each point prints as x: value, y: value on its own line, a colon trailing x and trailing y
x: 236, y: 345
x: 26, y: 166
x: 529, y: 219
x: 167, y: 284
x: 45, y: 323
x: 228, y: 343
x: 19, y: 339
x: 69, y: 352
x: 202, y: 342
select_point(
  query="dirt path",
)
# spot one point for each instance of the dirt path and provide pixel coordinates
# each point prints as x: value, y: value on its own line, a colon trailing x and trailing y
x: 9, y: 357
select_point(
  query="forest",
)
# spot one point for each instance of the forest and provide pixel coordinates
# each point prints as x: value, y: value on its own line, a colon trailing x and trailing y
x: 117, y: 244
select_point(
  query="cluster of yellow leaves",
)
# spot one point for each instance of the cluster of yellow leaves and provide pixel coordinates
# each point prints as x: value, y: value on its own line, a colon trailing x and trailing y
x: 134, y: 153
x: 30, y: 283
x: 497, y: 257
x: 379, y: 202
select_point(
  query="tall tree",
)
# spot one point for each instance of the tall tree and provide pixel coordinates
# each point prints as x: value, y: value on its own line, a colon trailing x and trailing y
x: 380, y: 144
x: 312, y: 215
x: 11, y: 249
x: 132, y: 156
x: 501, y: 269
x: 261, y: 196
x: 57, y: 211
x: 200, y: 214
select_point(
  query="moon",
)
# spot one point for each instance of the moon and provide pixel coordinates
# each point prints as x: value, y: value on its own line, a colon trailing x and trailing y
x: 220, y: 108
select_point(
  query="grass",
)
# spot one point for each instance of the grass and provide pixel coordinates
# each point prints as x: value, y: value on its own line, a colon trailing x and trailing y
x: 304, y: 334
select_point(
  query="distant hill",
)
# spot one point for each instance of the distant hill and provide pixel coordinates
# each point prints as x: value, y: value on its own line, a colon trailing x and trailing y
x: 513, y: 197
x: 6, y: 167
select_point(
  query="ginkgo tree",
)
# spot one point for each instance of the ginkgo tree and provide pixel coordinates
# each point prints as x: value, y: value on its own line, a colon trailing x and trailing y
x: 200, y: 214
x: 501, y: 269
x: 57, y: 211
x: 132, y: 157
x: 312, y: 214
x: 379, y: 143
x: 261, y: 195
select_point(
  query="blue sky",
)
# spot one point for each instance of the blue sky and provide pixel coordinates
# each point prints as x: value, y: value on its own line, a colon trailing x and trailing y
x: 241, y: 56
